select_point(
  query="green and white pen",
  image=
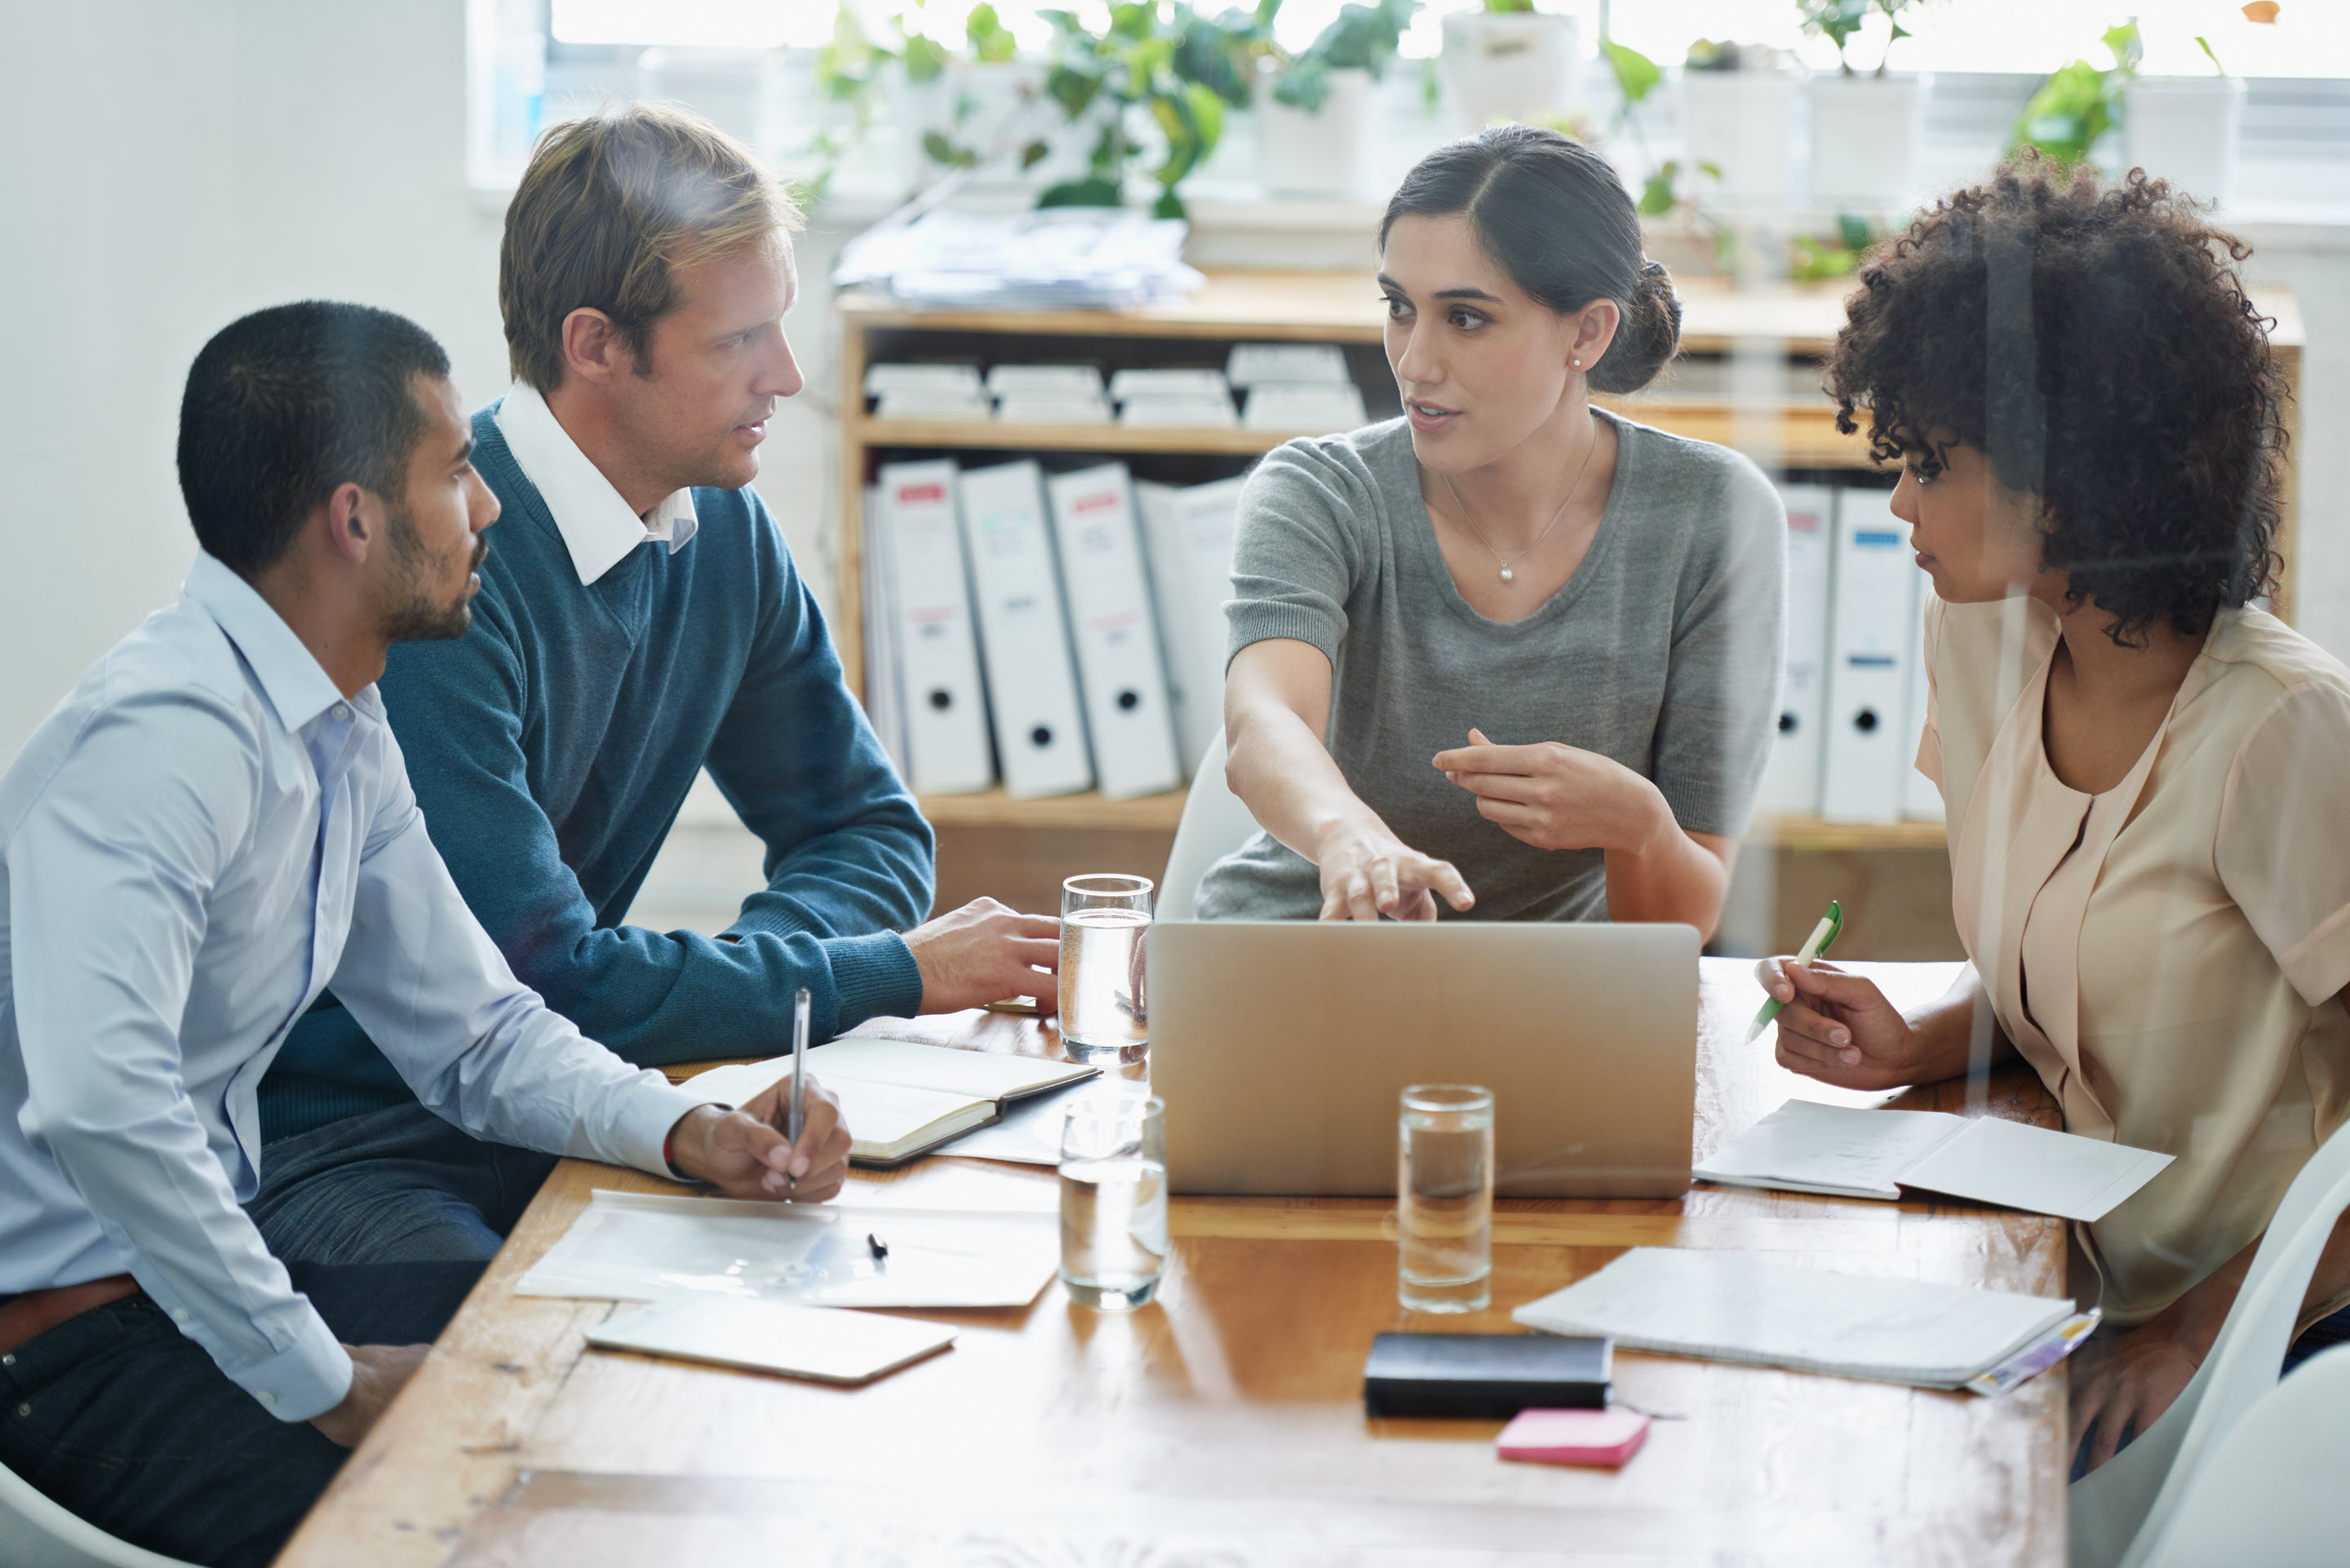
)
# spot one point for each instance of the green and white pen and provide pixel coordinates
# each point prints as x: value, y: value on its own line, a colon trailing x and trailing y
x: 1814, y: 946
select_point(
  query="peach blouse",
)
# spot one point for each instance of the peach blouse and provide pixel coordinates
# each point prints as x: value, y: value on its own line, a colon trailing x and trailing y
x: 2170, y: 954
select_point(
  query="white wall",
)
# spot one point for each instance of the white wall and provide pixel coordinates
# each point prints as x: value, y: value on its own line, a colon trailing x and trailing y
x: 168, y: 165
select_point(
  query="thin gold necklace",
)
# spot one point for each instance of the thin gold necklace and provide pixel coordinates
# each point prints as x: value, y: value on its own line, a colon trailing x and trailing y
x: 1507, y: 563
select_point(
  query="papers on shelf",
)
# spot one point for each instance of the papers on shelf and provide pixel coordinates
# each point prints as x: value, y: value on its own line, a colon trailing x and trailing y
x: 1728, y: 1307
x: 635, y: 1246
x: 1182, y: 413
x: 1059, y: 258
x: 1171, y: 382
x: 1260, y: 364
x: 1082, y: 381
x: 940, y: 379
x: 1284, y: 405
x: 1854, y: 1153
x: 820, y: 1342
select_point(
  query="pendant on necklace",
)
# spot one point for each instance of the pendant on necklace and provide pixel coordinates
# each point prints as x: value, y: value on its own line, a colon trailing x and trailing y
x: 1508, y: 576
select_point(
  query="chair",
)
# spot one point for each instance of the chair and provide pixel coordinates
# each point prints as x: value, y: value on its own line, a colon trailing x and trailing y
x: 2122, y: 1512
x: 1214, y: 824
x: 42, y: 1534
x: 2272, y: 1492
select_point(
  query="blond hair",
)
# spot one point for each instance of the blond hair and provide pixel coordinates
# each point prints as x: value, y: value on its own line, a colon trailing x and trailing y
x: 611, y: 209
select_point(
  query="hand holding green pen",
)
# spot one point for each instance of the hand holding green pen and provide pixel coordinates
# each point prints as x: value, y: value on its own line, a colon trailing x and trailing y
x: 1816, y: 946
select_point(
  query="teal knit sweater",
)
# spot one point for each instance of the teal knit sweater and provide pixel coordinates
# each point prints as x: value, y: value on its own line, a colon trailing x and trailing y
x: 551, y: 747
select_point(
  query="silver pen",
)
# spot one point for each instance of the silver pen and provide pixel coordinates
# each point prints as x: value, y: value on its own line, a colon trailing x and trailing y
x: 799, y: 1075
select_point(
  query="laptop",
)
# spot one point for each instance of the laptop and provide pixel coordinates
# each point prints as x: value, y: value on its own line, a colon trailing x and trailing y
x: 1280, y: 1048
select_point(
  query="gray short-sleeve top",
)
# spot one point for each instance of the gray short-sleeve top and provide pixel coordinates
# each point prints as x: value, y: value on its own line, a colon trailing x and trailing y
x: 1662, y: 651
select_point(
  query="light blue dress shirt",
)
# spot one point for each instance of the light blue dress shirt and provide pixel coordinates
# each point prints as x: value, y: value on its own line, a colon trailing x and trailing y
x: 199, y: 840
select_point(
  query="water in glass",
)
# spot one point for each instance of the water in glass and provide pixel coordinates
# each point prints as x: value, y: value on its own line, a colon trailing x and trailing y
x: 1444, y: 1195
x: 1104, y: 1015
x: 1113, y: 1230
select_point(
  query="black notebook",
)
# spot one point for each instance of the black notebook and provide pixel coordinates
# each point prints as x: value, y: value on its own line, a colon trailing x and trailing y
x: 1487, y: 1376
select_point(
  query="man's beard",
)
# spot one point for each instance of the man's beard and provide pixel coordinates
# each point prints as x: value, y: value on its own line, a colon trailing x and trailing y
x: 413, y: 615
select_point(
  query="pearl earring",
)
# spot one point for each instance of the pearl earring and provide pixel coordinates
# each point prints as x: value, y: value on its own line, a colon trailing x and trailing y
x: 1575, y: 364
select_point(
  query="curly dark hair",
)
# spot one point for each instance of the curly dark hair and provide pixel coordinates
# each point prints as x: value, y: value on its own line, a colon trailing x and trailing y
x: 2096, y: 345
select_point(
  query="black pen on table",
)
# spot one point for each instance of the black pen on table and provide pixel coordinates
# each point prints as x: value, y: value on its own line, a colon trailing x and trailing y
x: 799, y: 1077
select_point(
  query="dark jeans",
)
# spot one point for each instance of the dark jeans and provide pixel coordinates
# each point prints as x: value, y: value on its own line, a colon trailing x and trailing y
x: 2323, y: 1334
x: 123, y: 1419
x: 394, y: 1186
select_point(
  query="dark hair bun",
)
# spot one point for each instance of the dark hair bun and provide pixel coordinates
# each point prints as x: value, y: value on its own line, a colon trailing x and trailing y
x: 1650, y: 334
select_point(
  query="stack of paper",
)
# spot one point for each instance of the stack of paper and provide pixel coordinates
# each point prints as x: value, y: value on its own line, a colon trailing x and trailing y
x: 1851, y: 1152
x: 1059, y: 258
x: 1295, y: 407
x: 638, y: 1246
x: 1306, y: 364
x: 1049, y: 394
x: 1173, y: 396
x: 1726, y: 1306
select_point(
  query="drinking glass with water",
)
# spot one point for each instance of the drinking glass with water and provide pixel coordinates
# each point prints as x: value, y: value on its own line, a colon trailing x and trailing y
x: 1105, y: 1014
x: 1113, y: 1199
x: 1444, y: 1198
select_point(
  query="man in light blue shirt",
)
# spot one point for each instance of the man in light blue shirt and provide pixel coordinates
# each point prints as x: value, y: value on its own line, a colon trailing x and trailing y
x: 214, y: 826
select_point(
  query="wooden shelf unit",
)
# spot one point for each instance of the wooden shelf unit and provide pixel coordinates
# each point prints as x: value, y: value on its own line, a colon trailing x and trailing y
x: 1789, y: 431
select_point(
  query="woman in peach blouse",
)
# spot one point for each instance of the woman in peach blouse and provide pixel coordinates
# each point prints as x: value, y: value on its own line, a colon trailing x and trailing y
x: 2146, y: 777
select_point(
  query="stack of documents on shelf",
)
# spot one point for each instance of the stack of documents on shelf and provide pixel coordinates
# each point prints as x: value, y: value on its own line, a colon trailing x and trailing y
x: 1173, y: 396
x: 927, y: 391
x: 1049, y: 394
x: 1728, y: 1307
x: 900, y: 1098
x: 1187, y: 533
x: 1850, y: 1152
x: 1287, y: 405
x: 1057, y: 258
x: 1853, y: 698
x: 822, y: 1344
x: 1287, y: 364
x: 639, y: 1247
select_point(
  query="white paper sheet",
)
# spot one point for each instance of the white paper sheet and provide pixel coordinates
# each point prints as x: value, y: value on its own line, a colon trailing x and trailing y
x: 1811, y: 1147
x: 1030, y: 1132
x: 632, y: 1246
x: 1730, y: 1306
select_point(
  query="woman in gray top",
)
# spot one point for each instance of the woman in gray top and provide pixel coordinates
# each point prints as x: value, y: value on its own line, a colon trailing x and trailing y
x: 1542, y: 642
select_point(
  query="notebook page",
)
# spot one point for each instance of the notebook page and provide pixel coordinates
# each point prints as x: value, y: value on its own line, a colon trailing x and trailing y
x: 879, y: 1116
x: 1731, y: 1306
x: 985, y: 1074
x: 2023, y: 1167
x: 1842, y: 1150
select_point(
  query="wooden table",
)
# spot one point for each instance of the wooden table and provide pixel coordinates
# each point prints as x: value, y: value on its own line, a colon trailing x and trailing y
x: 1223, y: 1424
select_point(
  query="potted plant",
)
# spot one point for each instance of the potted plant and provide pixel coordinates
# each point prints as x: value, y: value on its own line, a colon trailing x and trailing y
x: 956, y: 107
x: 2076, y: 107
x: 2187, y: 130
x: 1865, y: 128
x: 1737, y: 114
x: 1150, y: 82
x: 1310, y: 123
x: 1507, y: 62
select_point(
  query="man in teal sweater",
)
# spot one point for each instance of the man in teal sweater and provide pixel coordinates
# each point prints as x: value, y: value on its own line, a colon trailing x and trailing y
x: 640, y: 620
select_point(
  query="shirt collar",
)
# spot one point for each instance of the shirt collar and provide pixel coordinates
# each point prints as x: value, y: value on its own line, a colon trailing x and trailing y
x: 297, y: 686
x: 597, y: 526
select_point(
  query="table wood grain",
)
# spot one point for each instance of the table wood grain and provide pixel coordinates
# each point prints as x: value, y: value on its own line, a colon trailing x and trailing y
x: 1223, y: 1424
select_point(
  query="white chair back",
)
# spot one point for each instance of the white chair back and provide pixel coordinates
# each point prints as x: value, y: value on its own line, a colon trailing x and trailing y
x: 1214, y: 824
x: 2272, y: 1492
x: 39, y: 1534
x: 2121, y: 1511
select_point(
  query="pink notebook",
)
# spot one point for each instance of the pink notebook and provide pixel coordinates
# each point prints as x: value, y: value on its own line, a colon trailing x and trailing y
x: 1573, y: 1437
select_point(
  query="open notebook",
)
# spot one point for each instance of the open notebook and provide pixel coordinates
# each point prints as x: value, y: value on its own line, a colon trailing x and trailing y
x: 901, y: 1099
x: 1849, y: 1152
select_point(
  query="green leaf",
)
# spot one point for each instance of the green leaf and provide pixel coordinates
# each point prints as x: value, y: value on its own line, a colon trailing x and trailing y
x: 2204, y: 44
x: 1207, y: 116
x: 1133, y: 20
x: 1304, y: 86
x: 1168, y: 205
x: 1636, y: 75
x: 1657, y: 195
x: 1092, y: 193
x: 2123, y: 40
x: 925, y: 61
x: 1032, y: 154
x: 1074, y: 91
x: 1853, y: 230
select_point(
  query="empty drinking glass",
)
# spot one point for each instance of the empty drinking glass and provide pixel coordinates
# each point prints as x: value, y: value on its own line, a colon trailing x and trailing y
x: 1104, y: 1014
x: 1113, y: 1199
x: 1444, y: 1198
